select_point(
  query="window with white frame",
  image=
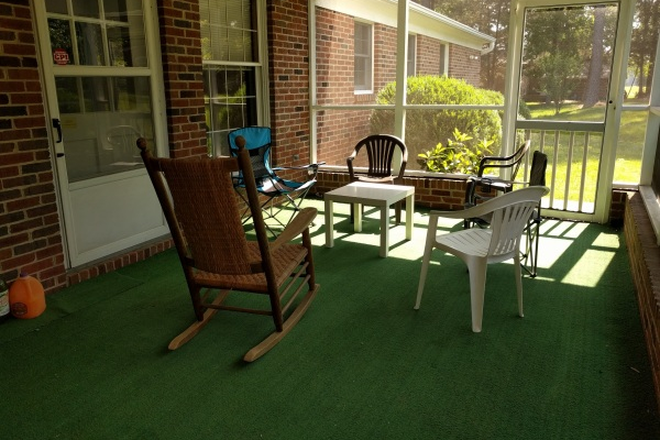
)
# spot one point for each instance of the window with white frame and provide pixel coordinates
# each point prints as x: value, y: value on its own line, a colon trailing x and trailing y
x: 412, y: 51
x: 443, y: 60
x: 232, y: 68
x: 363, y: 54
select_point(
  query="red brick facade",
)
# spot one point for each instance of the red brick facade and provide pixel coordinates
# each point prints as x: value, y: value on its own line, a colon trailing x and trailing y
x: 289, y: 81
x: 31, y: 237
x: 30, y: 231
x: 182, y: 73
x: 339, y: 130
x: 465, y: 63
x: 435, y: 193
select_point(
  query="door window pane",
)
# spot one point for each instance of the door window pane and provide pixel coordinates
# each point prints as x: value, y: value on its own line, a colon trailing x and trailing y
x: 117, y: 10
x: 567, y: 59
x: 117, y: 39
x: 86, y: 8
x: 56, y: 6
x: 68, y: 96
x: 90, y: 44
x: 99, y: 135
x: 60, y: 41
x: 126, y: 49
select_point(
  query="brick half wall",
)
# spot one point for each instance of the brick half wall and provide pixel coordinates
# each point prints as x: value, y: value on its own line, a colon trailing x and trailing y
x: 644, y: 255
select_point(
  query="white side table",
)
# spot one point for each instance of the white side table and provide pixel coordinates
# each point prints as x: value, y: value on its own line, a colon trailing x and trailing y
x: 380, y: 195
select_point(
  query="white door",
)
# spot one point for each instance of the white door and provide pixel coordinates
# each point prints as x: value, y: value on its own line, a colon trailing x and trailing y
x: 102, y: 89
x: 571, y: 53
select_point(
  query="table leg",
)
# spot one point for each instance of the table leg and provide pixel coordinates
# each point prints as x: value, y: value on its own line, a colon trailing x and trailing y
x: 384, y: 230
x: 329, y: 225
x: 357, y: 224
x: 410, y: 208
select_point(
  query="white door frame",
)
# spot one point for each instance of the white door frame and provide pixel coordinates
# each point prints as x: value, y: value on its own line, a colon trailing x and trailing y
x: 74, y: 255
x: 614, y: 101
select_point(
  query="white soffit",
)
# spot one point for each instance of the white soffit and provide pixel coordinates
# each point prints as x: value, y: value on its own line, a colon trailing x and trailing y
x: 423, y: 21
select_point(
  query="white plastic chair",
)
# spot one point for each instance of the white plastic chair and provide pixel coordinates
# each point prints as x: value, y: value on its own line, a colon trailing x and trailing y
x: 480, y: 247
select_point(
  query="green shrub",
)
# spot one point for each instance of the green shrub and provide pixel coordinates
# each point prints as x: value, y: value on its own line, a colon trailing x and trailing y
x: 425, y: 129
x: 458, y: 156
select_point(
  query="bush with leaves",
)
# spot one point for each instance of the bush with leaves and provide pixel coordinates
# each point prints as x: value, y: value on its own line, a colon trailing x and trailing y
x: 459, y: 156
x: 426, y: 128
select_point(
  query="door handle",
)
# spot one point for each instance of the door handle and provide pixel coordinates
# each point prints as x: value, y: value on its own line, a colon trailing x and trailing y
x: 58, y: 126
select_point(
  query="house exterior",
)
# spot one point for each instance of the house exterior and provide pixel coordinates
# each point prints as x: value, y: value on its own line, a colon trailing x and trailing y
x: 347, y: 30
x: 79, y: 81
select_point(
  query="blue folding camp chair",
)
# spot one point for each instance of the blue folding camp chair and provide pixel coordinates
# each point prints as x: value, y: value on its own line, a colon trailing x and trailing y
x: 258, y: 144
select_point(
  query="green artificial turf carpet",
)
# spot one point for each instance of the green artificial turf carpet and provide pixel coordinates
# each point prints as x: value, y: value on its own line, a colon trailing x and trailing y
x: 361, y: 364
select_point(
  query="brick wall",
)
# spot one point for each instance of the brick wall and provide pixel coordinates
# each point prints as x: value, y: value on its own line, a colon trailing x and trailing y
x: 644, y: 257
x: 435, y: 193
x: 30, y: 236
x: 182, y: 73
x: 289, y: 81
x: 385, y: 49
x: 340, y: 130
x: 428, y: 56
x: 618, y: 206
x: 465, y: 63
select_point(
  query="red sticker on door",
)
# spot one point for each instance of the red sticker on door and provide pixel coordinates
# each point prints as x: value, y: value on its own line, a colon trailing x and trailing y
x: 61, y: 57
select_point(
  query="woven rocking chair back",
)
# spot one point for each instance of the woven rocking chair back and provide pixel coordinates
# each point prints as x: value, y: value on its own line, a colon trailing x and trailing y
x: 207, y: 213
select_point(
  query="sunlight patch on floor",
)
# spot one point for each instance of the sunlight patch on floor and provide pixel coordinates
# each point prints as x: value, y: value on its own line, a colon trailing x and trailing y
x: 610, y: 241
x: 563, y: 229
x: 597, y: 261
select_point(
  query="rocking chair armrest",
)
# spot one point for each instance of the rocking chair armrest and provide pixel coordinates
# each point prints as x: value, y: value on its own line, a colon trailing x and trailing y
x: 298, y: 224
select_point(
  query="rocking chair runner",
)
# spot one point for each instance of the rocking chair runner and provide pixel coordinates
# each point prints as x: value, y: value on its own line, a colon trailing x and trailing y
x: 205, y: 222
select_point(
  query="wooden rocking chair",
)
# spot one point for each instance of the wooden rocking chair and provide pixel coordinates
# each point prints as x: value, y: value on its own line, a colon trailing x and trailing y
x: 199, y: 202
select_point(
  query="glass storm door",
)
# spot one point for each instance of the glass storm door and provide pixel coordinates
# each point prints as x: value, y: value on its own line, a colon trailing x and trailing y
x: 100, y: 91
x: 568, y: 79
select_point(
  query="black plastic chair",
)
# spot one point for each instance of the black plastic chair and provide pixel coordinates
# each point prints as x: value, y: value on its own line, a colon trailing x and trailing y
x: 380, y: 150
x: 529, y: 257
x: 480, y: 186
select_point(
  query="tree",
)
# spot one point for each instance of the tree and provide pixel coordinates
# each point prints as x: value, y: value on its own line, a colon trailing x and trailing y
x: 646, y: 27
x: 596, y: 66
x: 551, y: 70
x: 490, y: 17
x: 555, y: 44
